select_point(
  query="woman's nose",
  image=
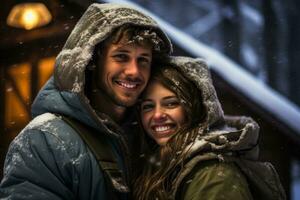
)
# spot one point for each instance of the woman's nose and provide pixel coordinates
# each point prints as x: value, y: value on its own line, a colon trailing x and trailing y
x: 159, y: 115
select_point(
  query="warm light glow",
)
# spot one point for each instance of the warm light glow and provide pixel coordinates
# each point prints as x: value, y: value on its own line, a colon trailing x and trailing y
x: 15, y: 111
x: 30, y: 19
x: 45, y: 70
x: 29, y: 16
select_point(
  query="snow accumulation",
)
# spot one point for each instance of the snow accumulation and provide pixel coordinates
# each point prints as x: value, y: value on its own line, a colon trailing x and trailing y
x: 42, y: 119
x: 266, y: 97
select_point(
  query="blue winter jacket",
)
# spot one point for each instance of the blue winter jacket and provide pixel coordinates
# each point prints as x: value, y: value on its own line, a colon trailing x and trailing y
x: 48, y: 159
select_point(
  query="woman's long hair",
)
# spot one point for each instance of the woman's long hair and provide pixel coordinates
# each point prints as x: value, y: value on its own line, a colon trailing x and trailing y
x: 161, y: 163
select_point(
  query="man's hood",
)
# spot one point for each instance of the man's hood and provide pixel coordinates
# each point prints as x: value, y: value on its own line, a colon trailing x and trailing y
x: 218, y: 133
x: 64, y: 93
x: 96, y: 24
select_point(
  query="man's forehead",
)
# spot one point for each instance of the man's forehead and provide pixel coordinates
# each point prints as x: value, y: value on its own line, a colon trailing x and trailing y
x: 127, y: 47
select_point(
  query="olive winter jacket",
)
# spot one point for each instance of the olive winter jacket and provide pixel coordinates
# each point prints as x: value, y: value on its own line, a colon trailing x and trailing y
x: 222, y: 161
x: 214, y: 180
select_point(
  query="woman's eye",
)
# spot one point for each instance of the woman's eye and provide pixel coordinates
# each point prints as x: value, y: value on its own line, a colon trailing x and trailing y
x: 172, y: 104
x: 146, y: 107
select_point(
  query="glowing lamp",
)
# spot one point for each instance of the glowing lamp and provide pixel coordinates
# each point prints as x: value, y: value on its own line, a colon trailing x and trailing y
x: 29, y: 16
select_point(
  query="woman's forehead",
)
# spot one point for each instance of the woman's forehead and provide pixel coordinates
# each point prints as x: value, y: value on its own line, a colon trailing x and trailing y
x: 155, y: 89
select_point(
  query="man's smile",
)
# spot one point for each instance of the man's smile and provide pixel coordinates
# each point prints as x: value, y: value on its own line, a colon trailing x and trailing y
x: 131, y: 85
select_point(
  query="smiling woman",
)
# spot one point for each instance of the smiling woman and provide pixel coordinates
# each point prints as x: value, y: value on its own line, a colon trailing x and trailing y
x: 194, y: 151
x: 161, y: 112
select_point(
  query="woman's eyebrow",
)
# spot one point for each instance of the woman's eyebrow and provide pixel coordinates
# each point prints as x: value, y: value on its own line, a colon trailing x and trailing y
x: 143, y: 100
x: 170, y: 97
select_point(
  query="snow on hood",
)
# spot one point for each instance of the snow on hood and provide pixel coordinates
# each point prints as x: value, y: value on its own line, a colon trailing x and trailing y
x: 196, y: 70
x: 220, y: 133
x: 238, y: 135
x: 64, y: 93
x: 96, y: 24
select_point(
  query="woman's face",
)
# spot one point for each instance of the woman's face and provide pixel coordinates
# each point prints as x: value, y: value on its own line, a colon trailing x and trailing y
x: 161, y: 112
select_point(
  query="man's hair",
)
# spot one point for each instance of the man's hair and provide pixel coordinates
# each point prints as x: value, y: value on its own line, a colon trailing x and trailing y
x: 136, y: 35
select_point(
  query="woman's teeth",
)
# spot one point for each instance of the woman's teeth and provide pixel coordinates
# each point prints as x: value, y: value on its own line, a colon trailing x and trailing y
x: 162, y: 128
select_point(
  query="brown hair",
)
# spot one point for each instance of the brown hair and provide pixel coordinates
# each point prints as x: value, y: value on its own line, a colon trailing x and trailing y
x: 139, y: 35
x: 154, y: 182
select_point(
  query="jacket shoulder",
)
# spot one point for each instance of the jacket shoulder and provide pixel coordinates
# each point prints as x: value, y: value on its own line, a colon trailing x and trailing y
x: 52, y: 128
x: 48, y: 135
x: 49, y: 156
x: 213, y: 179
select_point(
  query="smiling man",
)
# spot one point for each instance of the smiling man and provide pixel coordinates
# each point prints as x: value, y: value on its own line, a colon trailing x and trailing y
x: 123, y: 73
x: 99, y: 74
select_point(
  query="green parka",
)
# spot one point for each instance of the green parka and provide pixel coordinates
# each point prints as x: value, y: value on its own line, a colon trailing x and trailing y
x: 222, y: 162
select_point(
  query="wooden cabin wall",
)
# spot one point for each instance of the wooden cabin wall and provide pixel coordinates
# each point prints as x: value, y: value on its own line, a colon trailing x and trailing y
x: 20, y: 47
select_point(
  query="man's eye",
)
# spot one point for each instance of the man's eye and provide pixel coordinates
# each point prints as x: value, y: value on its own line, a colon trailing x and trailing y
x: 144, y: 61
x: 120, y: 57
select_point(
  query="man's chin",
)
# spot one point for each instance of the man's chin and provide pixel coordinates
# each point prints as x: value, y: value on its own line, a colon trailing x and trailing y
x: 126, y: 102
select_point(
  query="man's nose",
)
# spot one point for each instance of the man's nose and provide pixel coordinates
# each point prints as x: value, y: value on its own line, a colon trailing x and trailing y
x: 132, y: 68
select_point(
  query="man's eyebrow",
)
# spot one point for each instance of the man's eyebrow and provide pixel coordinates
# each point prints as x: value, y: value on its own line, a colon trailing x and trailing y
x: 146, y: 54
x: 127, y: 51
x: 121, y: 50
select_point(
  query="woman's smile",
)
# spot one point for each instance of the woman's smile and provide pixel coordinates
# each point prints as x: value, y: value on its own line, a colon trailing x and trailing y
x: 164, y: 129
x: 161, y: 112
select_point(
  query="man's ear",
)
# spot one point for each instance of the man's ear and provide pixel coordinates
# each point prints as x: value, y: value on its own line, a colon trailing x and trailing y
x: 91, y: 66
x: 90, y: 72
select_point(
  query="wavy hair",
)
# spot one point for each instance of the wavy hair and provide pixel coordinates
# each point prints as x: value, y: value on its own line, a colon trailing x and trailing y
x: 154, y: 180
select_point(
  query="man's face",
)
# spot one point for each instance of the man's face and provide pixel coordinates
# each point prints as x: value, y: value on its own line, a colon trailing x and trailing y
x: 124, y: 72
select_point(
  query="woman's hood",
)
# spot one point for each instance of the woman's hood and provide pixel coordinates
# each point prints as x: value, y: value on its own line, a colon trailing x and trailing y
x: 237, y: 137
x: 96, y: 24
x: 196, y: 70
x: 218, y: 133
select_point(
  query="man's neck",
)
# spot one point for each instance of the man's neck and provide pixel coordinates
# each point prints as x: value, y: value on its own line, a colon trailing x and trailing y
x: 101, y: 103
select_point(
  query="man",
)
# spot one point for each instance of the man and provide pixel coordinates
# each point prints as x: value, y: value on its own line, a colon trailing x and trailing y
x: 100, y: 72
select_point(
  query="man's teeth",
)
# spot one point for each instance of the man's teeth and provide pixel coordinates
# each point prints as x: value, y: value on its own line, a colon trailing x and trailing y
x: 128, y: 85
x: 162, y: 128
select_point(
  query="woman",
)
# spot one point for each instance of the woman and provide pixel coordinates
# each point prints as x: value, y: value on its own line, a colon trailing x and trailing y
x: 194, y: 152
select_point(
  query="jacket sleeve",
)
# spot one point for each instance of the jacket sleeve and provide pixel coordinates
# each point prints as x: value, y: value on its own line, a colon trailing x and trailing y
x: 214, y: 180
x: 31, y: 170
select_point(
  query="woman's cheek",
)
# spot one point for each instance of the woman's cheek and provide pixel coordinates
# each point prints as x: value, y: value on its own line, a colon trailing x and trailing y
x: 145, y: 120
